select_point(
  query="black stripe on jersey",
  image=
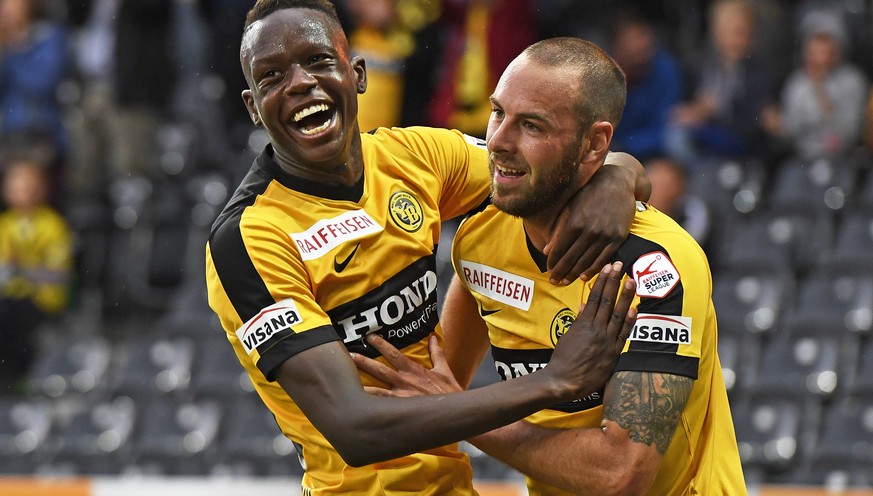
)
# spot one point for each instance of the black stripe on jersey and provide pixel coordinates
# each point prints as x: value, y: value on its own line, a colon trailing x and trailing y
x: 658, y: 362
x: 340, y: 192
x: 514, y: 363
x: 241, y: 282
x: 633, y: 248
x: 276, y: 353
x: 403, y: 310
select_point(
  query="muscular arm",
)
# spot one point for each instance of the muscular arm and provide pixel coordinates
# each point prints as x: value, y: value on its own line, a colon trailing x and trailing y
x: 465, y: 332
x: 641, y: 412
x: 364, y: 428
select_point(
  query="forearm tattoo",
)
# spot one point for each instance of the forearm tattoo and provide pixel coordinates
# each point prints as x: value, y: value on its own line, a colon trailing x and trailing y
x: 647, y: 405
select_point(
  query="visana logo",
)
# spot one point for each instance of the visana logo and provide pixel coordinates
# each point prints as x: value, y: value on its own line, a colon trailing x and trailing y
x: 405, y: 211
x: 671, y: 329
x: 272, y: 320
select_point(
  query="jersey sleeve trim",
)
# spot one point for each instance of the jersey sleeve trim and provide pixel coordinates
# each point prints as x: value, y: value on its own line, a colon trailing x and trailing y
x: 658, y: 362
x: 291, y: 345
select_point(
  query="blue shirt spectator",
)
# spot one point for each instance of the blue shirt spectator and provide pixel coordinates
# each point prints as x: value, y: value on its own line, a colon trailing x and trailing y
x: 33, y: 63
x: 654, y: 86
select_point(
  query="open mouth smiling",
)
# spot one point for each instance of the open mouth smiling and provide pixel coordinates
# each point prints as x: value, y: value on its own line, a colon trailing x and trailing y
x: 503, y: 171
x: 313, y: 119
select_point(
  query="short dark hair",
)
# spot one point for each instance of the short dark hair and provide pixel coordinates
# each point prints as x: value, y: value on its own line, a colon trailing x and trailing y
x: 603, y: 87
x: 263, y: 8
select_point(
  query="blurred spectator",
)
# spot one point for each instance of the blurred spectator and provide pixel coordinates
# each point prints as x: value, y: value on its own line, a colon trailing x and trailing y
x: 654, y: 86
x: 33, y: 62
x: 481, y: 38
x: 380, y: 36
x: 35, y: 264
x: 822, y: 112
x: 671, y: 196
x: 126, y: 62
x: 225, y: 28
x: 734, y: 89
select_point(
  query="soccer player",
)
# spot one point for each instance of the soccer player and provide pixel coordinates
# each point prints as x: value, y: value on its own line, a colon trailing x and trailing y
x: 332, y: 236
x: 662, y: 424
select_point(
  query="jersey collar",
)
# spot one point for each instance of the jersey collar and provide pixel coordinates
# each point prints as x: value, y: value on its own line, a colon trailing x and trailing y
x: 352, y: 193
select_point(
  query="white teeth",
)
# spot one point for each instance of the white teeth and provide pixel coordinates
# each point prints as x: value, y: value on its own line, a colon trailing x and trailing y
x: 508, y: 172
x: 316, y: 129
x: 309, y: 111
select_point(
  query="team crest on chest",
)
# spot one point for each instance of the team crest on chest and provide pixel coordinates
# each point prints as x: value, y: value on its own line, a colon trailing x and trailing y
x: 561, y: 324
x: 405, y: 211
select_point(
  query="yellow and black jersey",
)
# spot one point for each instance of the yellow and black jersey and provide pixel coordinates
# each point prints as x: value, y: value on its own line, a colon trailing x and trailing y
x: 36, y: 257
x: 675, y: 333
x: 292, y: 264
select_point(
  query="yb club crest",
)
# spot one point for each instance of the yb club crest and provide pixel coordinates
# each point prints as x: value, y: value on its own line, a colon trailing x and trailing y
x: 405, y: 211
x: 561, y: 324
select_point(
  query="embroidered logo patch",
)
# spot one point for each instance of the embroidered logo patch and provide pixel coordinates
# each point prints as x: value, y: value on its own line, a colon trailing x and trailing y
x: 655, y: 275
x: 561, y: 324
x: 405, y: 211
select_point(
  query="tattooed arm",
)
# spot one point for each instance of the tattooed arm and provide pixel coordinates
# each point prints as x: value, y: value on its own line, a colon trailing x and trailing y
x: 641, y: 412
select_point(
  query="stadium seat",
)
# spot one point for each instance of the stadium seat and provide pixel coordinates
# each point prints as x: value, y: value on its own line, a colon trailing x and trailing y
x: 175, y: 437
x: 96, y: 436
x: 252, y: 443
x: 148, y: 366
x: 216, y: 372
x: 853, y: 245
x: 771, y: 240
x: 730, y: 187
x: 24, y: 425
x: 811, y: 186
x: 768, y: 429
x: 846, y: 436
x: 802, y: 364
x: 71, y: 365
x: 750, y: 301
x: 861, y: 380
x: 730, y: 353
x: 864, y: 198
x: 833, y: 303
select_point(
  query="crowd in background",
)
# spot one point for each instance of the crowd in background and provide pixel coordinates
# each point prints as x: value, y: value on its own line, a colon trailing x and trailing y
x: 117, y: 113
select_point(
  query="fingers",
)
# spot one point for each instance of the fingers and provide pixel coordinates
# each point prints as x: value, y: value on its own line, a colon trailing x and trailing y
x: 619, y: 318
x: 392, y: 354
x: 603, y: 316
x: 603, y: 259
x: 629, y: 320
x: 377, y: 391
x: 589, y: 308
x: 576, y: 259
x: 375, y: 368
x: 437, y: 355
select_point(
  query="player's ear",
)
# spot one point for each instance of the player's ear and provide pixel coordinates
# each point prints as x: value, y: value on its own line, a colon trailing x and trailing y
x: 249, y: 101
x: 359, y: 66
x: 596, y: 143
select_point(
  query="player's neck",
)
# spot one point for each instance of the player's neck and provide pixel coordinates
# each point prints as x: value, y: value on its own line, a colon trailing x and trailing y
x: 539, y: 228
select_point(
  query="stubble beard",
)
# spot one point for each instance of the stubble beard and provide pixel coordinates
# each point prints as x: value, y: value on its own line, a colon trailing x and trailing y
x: 544, y: 193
